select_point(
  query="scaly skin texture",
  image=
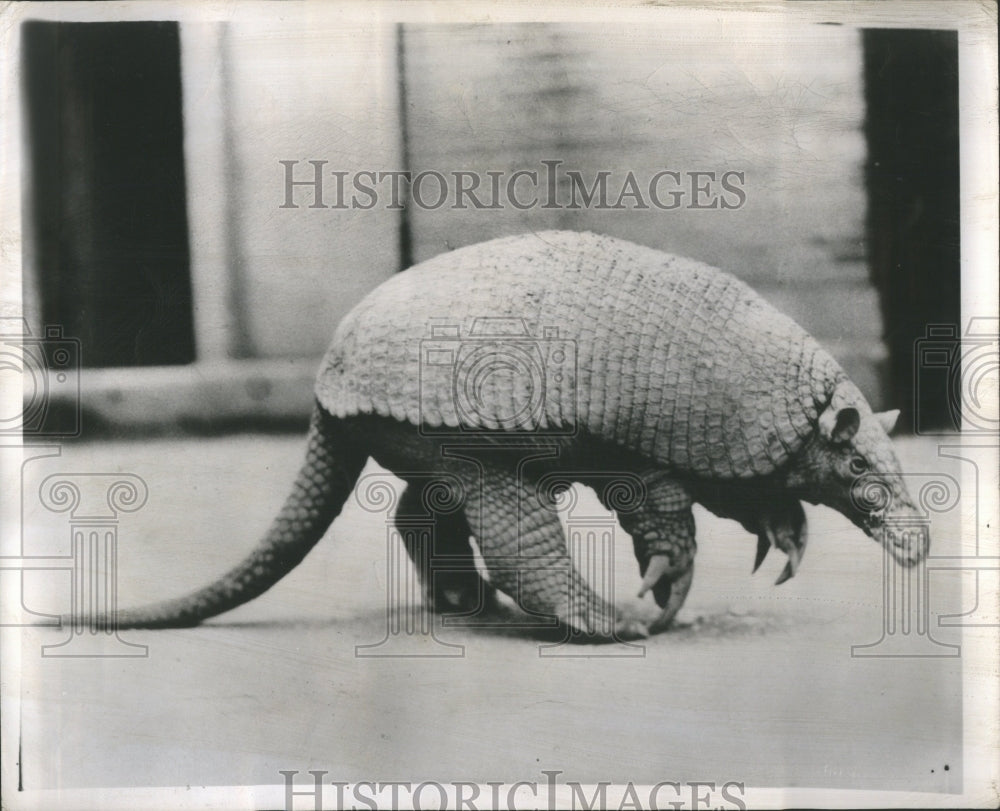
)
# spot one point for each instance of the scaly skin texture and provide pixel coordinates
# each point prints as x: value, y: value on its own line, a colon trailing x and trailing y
x: 674, y: 359
x: 499, y: 363
x: 662, y: 531
x: 512, y: 517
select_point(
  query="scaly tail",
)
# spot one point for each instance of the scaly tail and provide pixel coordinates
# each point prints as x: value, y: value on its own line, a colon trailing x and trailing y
x: 326, y: 479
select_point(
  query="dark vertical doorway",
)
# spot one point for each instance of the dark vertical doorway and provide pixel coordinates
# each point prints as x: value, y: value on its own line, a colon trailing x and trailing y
x: 107, y: 190
x: 911, y: 91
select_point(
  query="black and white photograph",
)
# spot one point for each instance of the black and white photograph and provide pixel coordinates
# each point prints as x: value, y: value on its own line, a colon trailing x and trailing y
x: 492, y: 405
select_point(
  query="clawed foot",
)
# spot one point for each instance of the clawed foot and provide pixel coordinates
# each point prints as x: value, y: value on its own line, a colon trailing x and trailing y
x: 630, y: 629
x: 601, y: 624
x: 794, y: 558
x: 788, y: 533
x: 659, y: 576
x: 670, y: 585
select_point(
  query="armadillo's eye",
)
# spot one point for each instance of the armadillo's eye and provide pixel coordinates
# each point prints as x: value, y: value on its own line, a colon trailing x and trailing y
x: 858, y: 465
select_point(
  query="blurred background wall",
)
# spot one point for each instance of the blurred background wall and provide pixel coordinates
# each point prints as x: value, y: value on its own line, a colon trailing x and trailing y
x: 161, y: 238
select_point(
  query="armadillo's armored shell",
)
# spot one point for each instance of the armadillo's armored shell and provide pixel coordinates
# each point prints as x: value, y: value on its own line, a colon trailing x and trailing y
x: 564, y: 331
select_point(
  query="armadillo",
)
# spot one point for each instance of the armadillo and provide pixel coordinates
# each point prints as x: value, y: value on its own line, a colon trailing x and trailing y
x: 497, y: 364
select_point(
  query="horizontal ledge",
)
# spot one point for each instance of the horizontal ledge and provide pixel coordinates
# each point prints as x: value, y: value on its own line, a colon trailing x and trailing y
x: 267, y: 394
x: 207, y: 396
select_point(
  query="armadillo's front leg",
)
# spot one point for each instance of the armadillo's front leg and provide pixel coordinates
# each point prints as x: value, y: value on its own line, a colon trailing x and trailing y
x: 525, y: 552
x: 662, y: 531
x: 782, y: 523
x: 446, y: 565
x: 774, y: 516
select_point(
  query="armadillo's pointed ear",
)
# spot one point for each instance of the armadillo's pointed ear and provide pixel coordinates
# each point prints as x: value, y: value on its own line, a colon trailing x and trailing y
x: 887, y: 419
x: 839, y: 425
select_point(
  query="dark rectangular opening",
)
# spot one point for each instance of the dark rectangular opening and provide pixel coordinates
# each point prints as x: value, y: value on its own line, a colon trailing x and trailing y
x: 911, y: 93
x: 106, y: 198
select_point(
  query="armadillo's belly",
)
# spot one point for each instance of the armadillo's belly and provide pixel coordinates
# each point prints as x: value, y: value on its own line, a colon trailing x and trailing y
x: 560, y: 334
x: 412, y: 453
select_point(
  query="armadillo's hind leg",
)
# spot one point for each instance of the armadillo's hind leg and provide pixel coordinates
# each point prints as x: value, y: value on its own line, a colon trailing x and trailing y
x: 524, y: 548
x: 443, y: 558
x: 662, y: 530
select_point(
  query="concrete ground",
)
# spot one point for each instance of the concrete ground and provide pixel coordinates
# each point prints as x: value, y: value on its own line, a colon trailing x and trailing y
x: 758, y: 684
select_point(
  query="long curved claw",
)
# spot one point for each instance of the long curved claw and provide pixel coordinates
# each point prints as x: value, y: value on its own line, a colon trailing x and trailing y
x: 662, y: 591
x: 670, y: 586
x: 763, y: 547
x: 659, y: 569
x: 802, y: 535
x: 795, y: 545
x: 794, y: 558
x: 677, y: 593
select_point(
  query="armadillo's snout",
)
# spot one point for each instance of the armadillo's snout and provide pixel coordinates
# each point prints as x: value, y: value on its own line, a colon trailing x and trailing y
x: 907, y: 541
x: 887, y: 515
x: 874, y: 520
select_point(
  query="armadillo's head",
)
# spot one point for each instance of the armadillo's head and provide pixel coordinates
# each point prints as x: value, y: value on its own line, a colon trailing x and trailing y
x: 850, y: 464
